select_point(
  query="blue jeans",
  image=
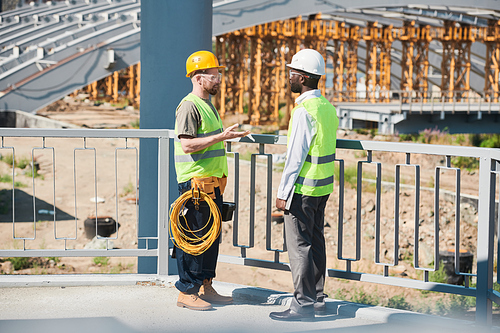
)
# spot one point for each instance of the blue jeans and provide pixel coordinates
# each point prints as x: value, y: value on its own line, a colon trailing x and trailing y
x: 194, y: 269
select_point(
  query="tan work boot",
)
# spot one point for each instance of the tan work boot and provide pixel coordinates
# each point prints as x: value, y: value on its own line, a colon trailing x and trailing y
x: 193, y: 302
x: 208, y: 293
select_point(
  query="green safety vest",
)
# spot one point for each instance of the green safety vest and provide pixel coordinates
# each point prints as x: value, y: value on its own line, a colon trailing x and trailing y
x: 316, y: 176
x: 209, y: 162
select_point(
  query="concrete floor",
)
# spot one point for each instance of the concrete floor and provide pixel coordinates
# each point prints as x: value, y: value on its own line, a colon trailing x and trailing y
x: 137, y: 304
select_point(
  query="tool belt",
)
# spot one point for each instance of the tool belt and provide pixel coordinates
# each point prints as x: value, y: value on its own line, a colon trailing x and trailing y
x: 208, y: 185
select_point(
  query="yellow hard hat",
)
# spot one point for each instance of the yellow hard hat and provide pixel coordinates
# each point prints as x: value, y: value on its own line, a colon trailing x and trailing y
x: 201, y: 60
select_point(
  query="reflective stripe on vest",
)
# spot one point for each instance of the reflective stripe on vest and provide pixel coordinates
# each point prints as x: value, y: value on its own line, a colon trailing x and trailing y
x: 217, y: 131
x: 320, y: 159
x: 198, y: 157
x: 314, y: 182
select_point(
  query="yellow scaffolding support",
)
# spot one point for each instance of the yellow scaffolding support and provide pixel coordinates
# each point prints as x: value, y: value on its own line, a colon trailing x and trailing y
x: 256, y: 82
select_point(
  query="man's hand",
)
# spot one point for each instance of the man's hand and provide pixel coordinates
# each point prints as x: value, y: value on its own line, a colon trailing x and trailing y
x: 280, y: 204
x: 229, y: 133
x: 191, y: 145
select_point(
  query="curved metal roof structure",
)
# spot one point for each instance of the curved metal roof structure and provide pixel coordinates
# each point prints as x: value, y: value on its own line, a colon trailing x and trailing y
x: 48, y: 50
x: 230, y: 15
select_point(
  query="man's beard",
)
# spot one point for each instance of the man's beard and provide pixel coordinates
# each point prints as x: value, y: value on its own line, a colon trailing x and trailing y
x: 214, y: 90
x: 295, y: 87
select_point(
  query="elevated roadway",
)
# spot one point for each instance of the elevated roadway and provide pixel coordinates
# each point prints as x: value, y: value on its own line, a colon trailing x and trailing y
x: 397, y: 117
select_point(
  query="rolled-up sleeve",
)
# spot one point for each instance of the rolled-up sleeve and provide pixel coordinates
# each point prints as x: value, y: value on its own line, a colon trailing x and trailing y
x: 188, y: 119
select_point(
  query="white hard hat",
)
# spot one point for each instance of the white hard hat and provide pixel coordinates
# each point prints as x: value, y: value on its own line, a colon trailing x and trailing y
x: 309, y: 61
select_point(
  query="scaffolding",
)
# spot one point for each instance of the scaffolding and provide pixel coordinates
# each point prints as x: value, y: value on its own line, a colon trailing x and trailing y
x: 124, y: 85
x: 492, y: 67
x: 255, y: 81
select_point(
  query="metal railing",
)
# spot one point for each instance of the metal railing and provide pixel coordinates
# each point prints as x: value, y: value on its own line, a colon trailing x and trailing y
x: 489, y: 170
x: 163, y: 136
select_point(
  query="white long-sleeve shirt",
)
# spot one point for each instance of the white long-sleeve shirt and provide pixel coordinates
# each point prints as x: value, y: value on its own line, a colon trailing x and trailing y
x: 302, y: 134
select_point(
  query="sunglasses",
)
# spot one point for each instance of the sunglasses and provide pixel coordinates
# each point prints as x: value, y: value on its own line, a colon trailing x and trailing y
x: 212, y: 78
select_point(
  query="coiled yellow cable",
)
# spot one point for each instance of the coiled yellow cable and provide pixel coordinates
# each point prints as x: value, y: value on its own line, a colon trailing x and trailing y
x: 183, y: 237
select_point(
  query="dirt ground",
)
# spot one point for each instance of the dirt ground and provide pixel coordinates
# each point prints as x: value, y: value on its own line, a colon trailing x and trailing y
x: 78, y: 163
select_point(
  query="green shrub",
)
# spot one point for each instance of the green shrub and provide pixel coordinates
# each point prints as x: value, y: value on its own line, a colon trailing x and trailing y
x: 492, y: 141
x: 341, y: 294
x: 461, y: 140
x: 8, y: 179
x: 23, y: 162
x: 8, y: 159
x: 406, y: 256
x: 135, y: 124
x: 29, y: 173
x: 424, y: 307
x: 445, y: 305
x: 436, y: 136
x: 20, y: 262
x: 56, y: 259
x: 129, y: 188
x: 439, y: 276
x: 398, y: 302
x: 362, y: 131
x: 5, y: 179
x: 360, y: 296
x: 475, y: 140
x: 467, y: 163
x: 459, y: 304
x: 103, y: 261
x: 408, y: 137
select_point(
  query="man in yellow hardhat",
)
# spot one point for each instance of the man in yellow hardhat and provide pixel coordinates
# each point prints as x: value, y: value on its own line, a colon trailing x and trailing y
x: 200, y: 154
x: 306, y: 184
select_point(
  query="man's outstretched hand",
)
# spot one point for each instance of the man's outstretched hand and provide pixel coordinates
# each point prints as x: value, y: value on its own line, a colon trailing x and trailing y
x: 230, y: 133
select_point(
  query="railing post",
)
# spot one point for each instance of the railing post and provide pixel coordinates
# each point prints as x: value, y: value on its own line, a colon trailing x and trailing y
x: 485, y: 236
x: 163, y: 200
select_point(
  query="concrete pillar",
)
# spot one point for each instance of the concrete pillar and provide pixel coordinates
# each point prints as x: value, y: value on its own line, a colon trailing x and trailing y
x: 170, y: 32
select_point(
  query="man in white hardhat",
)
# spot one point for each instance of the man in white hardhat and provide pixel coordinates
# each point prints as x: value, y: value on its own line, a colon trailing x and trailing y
x: 306, y: 184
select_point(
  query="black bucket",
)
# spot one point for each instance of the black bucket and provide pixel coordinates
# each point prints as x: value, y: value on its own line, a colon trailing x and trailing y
x: 448, y: 260
x: 277, y: 217
x: 106, y: 226
x: 227, y: 211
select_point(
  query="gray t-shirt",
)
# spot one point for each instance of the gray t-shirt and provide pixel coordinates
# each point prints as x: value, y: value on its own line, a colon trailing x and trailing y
x: 189, y: 118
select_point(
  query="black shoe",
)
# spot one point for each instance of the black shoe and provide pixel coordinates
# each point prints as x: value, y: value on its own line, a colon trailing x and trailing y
x: 291, y: 315
x: 320, y: 308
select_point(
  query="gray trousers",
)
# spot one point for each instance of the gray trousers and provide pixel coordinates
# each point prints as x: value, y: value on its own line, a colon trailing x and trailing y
x: 305, y: 241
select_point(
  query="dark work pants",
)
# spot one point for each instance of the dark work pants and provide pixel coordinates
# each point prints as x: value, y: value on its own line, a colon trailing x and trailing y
x: 194, y: 269
x: 305, y: 241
